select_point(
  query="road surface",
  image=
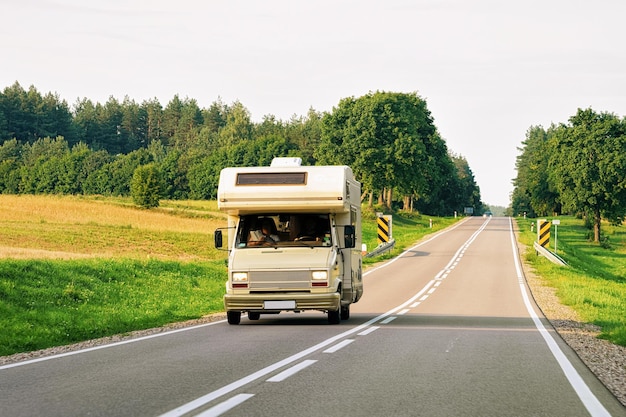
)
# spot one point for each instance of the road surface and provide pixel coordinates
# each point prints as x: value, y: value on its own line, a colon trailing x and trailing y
x: 446, y: 329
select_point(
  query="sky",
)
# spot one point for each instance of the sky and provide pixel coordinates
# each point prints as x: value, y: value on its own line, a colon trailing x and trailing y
x: 487, y: 69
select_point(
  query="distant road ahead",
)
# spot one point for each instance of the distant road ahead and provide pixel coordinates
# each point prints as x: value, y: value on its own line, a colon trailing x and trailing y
x: 446, y: 329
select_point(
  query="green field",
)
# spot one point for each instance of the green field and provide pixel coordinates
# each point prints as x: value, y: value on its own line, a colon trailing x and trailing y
x: 76, y: 268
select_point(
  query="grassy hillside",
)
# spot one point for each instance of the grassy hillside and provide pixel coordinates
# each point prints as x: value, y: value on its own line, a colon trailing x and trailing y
x: 78, y: 227
x: 76, y: 268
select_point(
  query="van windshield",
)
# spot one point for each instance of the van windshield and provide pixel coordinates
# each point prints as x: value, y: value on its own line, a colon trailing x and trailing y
x: 301, y: 229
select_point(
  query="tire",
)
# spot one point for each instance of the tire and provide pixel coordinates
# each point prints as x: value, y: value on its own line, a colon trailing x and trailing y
x: 334, y: 317
x: 234, y: 317
x: 254, y: 315
x: 345, y: 312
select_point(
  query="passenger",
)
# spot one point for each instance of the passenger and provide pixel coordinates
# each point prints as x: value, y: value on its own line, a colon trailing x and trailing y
x: 268, y: 234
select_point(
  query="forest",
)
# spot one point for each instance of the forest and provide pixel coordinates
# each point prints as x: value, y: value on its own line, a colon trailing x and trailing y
x: 176, y: 151
x: 576, y: 168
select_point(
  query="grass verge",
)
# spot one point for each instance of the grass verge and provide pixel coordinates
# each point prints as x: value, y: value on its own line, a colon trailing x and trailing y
x: 594, y: 282
x: 49, y: 303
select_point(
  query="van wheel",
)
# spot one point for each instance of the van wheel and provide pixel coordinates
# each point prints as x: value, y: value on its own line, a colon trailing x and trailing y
x: 234, y: 317
x: 334, y: 317
x: 253, y: 315
x: 345, y: 312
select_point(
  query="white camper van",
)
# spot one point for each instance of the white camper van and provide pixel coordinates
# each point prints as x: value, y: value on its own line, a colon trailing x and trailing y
x: 294, y: 239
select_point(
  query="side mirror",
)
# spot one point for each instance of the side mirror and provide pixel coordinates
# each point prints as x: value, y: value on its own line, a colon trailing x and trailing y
x: 349, y: 236
x: 218, y: 239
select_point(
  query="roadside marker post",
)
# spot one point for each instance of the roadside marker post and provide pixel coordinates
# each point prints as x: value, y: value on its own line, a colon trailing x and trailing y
x: 543, y: 232
x: 556, y: 223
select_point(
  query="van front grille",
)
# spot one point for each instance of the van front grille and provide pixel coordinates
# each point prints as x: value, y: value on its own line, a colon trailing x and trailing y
x: 269, y: 280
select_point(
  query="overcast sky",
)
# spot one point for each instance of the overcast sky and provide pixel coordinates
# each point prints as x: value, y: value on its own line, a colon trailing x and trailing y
x: 488, y: 69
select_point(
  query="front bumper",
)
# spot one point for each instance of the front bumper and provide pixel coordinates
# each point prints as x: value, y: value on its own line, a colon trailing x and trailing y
x: 256, y: 302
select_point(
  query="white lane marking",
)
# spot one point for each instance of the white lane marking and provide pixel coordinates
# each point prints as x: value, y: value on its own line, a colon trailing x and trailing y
x: 227, y: 405
x: 593, y: 405
x: 388, y: 320
x: 432, y: 290
x: 368, y: 331
x: 406, y: 251
x: 291, y: 371
x: 403, y: 312
x: 205, y: 399
x: 424, y: 298
x: 339, y: 345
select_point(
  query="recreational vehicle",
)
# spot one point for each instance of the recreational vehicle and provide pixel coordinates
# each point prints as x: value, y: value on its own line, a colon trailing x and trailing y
x: 294, y: 239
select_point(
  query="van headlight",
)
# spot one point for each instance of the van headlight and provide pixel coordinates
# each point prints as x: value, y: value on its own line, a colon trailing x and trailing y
x: 319, y: 275
x: 240, y: 277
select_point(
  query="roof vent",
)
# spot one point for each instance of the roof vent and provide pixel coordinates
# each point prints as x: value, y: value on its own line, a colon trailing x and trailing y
x: 286, y: 162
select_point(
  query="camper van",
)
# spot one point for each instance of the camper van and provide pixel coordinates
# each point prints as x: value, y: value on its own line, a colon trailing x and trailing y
x: 294, y: 239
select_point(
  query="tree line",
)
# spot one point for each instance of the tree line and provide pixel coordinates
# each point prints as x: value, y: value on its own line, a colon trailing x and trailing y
x: 576, y: 168
x: 177, y: 151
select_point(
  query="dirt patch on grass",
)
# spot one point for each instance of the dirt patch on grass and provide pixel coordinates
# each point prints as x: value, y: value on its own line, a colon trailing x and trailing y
x: 25, y: 253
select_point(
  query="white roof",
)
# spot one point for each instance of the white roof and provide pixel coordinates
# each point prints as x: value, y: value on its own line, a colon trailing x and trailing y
x: 305, y: 188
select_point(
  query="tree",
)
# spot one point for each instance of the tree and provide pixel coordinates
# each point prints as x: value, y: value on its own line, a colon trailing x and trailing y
x: 238, y: 126
x: 132, y: 126
x: 305, y: 134
x: 588, y: 166
x: 457, y: 189
x: 19, y: 122
x: 114, y: 138
x: 151, y: 119
x: 171, y: 118
x: 388, y: 139
x: 88, y: 127
x: 146, y: 186
x: 535, y: 191
x: 73, y: 170
x: 203, y: 175
x: 215, y: 117
x: 10, y: 163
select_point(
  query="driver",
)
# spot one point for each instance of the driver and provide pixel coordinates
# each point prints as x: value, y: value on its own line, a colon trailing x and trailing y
x: 308, y: 230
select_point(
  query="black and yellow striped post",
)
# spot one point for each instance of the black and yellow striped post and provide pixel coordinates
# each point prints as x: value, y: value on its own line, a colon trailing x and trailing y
x: 543, y: 232
x: 384, y: 229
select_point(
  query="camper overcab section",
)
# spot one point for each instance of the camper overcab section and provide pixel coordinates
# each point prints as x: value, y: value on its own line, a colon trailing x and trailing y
x: 294, y: 239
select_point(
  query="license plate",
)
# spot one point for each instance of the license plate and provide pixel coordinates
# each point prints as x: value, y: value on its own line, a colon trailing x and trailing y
x: 279, y: 305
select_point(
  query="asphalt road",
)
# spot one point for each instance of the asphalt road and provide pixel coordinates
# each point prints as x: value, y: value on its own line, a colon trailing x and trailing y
x: 446, y: 329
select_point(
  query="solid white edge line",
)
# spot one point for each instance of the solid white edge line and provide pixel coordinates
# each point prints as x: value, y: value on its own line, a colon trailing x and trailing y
x: 593, y: 405
x: 108, y: 345
x: 227, y: 405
